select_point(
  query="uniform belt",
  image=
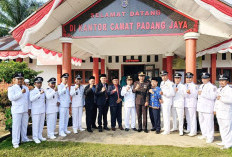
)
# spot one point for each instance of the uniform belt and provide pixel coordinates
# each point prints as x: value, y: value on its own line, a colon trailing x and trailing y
x: 141, y: 93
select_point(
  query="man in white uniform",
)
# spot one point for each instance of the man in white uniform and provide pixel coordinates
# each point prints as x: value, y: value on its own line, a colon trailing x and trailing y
x: 65, y: 102
x: 178, y: 102
x: 191, y: 105
x: 223, y: 109
x: 37, y: 98
x: 52, y: 103
x: 167, y: 92
x: 18, y: 94
x: 129, y: 104
x: 205, y: 107
x: 77, y: 93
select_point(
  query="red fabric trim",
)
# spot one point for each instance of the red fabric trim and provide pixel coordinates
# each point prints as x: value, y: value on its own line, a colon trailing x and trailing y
x: 33, y: 20
x: 220, y: 6
x: 217, y: 45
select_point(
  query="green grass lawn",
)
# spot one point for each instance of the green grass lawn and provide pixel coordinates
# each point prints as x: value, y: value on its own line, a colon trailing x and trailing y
x: 67, y: 149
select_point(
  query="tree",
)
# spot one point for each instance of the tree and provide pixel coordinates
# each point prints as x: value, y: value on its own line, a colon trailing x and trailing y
x: 12, y: 12
x: 8, y: 69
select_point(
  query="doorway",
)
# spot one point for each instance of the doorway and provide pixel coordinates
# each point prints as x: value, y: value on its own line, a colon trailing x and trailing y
x: 132, y: 70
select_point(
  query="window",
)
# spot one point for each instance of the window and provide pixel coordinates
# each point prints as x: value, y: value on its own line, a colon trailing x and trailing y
x: 203, y: 57
x: 124, y: 58
x: 156, y: 58
x: 218, y: 72
x: 91, y: 59
x: 140, y: 58
x: 228, y: 73
x: 14, y: 60
x: 132, y: 57
x: 75, y: 73
x: 30, y: 60
x: 223, y: 56
x: 87, y: 75
x: 199, y: 72
x: 231, y: 56
x: 83, y: 61
x: 112, y: 73
x: 110, y: 59
x: 148, y: 58
x: 116, y: 59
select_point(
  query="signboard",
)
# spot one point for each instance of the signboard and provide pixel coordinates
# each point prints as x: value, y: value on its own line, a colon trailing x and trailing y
x: 112, y: 18
x: 179, y: 63
x: 132, y: 60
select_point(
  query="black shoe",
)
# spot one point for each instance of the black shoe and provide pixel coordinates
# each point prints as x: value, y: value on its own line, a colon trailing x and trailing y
x: 94, y: 127
x: 139, y: 130
x: 113, y: 129
x: 157, y: 132
x: 106, y: 128
x: 127, y: 129
x: 134, y: 129
x: 121, y: 128
x: 153, y: 129
x: 145, y: 130
x: 89, y: 130
x: 100, y: 129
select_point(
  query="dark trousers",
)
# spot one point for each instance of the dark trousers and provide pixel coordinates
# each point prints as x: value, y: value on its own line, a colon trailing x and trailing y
x: 94, y: 116
x: 102, y: 113
x: 151, y: 117
x: 155, y: 115
x: 116, y: 114
x: 141, y: 111
x: 91, y: 112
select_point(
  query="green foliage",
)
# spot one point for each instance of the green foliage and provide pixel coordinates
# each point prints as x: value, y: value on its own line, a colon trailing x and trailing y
x: 8, y: 69
x: 8, y: 121
x: 12, y: 12
x: 4, y: 101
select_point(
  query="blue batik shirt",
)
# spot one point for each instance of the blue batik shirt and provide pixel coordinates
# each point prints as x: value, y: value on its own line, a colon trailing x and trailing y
x: 154, y: 98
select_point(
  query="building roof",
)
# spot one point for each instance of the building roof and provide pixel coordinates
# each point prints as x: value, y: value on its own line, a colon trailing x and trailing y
x: 10, y: 49
x: 44, y: 29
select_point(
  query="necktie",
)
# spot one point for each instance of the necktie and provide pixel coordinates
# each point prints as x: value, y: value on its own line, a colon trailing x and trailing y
x: 116, y: 86
x: 21, y: 86
x: 202, y: 86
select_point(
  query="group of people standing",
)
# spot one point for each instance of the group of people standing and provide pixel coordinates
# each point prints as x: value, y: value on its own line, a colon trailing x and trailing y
x: 172, y: 99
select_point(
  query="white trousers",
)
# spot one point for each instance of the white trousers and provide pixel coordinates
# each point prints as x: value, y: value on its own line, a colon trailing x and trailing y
x: 64, y: 117
x: 206, y: 121
x: 180, y: 115
x: 130, y: 113
x: 77, y: 117
x: 225, y: 128
x: 51, y: 123
x: 191, y: 118
x: 19, y: 126
x: 174, y: 117
x: 37, y: 125
x: 166, y: 110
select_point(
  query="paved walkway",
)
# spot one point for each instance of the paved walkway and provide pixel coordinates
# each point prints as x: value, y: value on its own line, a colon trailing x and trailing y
x: 135, y: 138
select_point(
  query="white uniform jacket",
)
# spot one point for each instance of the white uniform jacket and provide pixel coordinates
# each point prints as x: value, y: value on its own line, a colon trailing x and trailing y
x: 77, y: 96
x: 129, y: 96
x: 51, y: 100
x: 223, y: 106
x: 178, y: 100
x: 37, y: 101
x: 207, y: 98
x: 191, y: 99
x: 20, y: 101
x: 64, y: 95
x: 167, y: 88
